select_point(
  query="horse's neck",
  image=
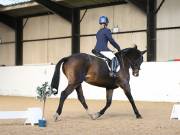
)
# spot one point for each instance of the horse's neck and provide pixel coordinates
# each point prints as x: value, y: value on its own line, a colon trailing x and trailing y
x: 125, y: 65
x: 125, y: 62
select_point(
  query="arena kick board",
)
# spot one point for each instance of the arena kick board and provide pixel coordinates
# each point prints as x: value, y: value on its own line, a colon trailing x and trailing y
x: 175, y: 114
x: 31, y: 115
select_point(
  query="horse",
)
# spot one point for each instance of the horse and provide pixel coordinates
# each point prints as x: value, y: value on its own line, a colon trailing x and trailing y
x: 93, y: 70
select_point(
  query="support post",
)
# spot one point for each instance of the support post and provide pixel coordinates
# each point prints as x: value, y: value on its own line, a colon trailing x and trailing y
x: 18, y: 42
x: 76, y: 31
x: 151, y: 30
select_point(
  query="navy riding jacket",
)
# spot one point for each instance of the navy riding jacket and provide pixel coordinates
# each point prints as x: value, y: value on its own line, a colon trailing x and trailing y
x: 103, y: 36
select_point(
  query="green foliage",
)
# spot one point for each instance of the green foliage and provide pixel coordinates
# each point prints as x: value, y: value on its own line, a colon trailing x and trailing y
x: 44, y: 91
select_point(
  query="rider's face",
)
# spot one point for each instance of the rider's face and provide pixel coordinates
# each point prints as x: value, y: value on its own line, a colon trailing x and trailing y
x: 106, y: 24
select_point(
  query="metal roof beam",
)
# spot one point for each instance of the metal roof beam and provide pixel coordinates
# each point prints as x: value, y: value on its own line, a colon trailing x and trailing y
x: 104, y: 4
x: 140, y: 5
x: 63, y: 11
x: 162, y: 2
x: 8, y: 20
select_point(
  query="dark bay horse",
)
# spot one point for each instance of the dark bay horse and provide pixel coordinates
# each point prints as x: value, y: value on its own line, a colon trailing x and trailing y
x: 83, y: 67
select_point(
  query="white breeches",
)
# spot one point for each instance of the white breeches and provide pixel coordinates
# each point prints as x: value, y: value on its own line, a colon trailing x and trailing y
x: 108, y: 54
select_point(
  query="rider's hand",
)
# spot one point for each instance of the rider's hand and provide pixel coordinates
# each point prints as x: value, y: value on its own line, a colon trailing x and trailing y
x: 119, y: 50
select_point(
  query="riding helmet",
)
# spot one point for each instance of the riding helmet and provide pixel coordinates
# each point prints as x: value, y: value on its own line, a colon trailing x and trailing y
x: 103, y: 20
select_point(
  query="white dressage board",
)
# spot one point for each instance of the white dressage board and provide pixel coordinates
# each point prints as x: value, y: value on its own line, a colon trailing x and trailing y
x: 153, y: 83
x: 31, y: 115
x: 175, y: 114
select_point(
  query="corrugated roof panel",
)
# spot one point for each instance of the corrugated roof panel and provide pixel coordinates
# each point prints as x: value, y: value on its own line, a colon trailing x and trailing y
x: 12, y: 2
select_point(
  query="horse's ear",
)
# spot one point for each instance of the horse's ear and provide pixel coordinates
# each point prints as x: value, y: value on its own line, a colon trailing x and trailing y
x: 135, y: 46
x: 143, y: 52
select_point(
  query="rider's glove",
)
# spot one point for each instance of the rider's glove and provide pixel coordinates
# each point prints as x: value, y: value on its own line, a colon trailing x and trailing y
x: 119, y: 49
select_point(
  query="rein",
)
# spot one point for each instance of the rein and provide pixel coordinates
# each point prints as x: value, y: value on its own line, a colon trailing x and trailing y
x: 122, y: 60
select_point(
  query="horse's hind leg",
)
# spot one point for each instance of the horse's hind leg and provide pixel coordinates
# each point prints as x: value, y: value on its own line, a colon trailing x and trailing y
x: 109, y: 93
x: 64, y: 94
x: 81, y: 98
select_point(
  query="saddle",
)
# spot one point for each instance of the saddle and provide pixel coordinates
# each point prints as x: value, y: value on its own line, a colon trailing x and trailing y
x: 113, y: 65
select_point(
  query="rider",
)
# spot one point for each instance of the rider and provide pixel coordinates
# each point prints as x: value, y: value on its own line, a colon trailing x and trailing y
x: 103, y: 36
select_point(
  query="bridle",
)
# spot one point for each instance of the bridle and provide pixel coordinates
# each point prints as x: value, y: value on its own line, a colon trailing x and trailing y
x: 134, y: 63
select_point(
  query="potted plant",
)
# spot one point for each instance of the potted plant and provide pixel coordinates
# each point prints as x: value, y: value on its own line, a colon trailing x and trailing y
x: 42, y: 93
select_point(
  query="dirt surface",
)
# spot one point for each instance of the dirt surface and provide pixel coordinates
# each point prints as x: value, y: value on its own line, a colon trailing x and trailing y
x: 118, y: 120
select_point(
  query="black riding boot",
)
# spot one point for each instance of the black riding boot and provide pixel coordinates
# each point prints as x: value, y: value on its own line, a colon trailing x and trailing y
x: 113, y: 68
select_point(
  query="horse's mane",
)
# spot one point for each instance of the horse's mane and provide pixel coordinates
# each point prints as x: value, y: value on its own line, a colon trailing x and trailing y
x: 127, y: 51
x: 122, y: 52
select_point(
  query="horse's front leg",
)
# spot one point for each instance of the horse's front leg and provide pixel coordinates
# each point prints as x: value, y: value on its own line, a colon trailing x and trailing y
x: 127, y: 91
x: 109, y: 93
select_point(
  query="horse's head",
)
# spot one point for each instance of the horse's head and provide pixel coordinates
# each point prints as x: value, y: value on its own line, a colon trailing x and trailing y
x: 134, y: 58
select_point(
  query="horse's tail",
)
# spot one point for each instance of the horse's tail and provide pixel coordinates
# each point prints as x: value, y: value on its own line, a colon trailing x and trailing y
x: 56, y: 76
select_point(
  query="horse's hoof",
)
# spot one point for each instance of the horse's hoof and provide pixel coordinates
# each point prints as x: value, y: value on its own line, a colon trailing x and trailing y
x: 95, y: 116
x: 89, y: 114
x: 55, y: 117
x: 139, y: 116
